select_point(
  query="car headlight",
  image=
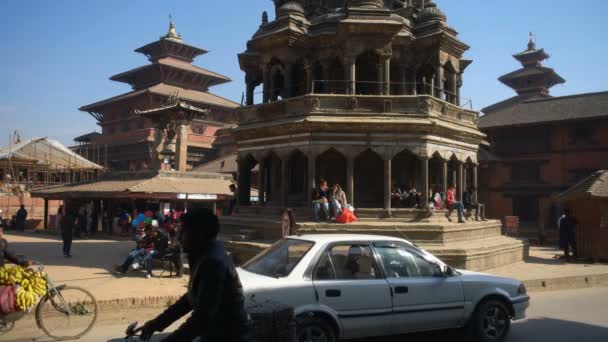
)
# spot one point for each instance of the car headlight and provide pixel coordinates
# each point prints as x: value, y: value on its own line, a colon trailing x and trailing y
x: 522, y: 289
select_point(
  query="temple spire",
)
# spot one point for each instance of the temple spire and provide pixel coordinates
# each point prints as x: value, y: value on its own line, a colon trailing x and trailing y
x: 532, y: 42
x: 172, y: 34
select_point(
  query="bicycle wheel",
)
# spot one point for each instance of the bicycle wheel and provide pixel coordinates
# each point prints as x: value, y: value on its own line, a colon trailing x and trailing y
x: 67, y: 313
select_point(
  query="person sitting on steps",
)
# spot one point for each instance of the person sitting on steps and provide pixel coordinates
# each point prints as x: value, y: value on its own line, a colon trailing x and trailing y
x: 452, y: 204
x: 470, y: 203
x: 320, y: 200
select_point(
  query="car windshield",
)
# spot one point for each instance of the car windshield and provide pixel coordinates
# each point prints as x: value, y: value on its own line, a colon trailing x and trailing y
x: 280, y: 259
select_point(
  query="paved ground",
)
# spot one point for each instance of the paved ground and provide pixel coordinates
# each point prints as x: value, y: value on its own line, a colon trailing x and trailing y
x: 91, y: 267
x: 558, y: 316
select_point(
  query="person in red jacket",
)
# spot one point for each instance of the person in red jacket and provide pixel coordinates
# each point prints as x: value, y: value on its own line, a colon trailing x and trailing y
x: 452, y: 204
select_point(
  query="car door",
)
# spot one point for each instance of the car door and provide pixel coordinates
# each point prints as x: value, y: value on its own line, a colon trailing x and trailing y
x: 348, y: 279
x: 423, y: 298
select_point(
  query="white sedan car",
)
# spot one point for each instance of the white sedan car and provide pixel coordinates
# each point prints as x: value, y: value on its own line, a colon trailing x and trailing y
x: 355, y: 286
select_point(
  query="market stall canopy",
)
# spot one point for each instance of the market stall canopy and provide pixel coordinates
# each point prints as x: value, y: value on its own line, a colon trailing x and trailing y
x: 45, y: 151
x: 145, y: 184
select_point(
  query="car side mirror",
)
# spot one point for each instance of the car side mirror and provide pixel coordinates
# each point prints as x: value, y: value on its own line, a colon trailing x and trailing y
x: 448, y: 271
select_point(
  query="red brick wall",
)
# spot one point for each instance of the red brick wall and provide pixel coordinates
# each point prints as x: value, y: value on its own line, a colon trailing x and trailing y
x: 34, y: 206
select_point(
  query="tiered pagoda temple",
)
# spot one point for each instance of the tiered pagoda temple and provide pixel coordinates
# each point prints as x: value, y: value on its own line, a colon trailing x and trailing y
x: 366, y: 94
x: 128, y: 140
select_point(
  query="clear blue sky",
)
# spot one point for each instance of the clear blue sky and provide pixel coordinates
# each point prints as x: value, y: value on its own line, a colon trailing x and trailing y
x: 57, y: 55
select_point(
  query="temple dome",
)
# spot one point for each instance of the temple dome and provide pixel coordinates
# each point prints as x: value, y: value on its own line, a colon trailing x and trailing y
x: 431, y: 12
x: 290, y: 7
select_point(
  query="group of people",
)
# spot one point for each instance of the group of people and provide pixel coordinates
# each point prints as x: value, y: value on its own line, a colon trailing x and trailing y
x: 464, y: 208
x: 331, y: 201
x: 405, y: 197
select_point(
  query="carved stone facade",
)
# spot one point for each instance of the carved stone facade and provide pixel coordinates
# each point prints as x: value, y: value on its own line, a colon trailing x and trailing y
x: 360, y: 93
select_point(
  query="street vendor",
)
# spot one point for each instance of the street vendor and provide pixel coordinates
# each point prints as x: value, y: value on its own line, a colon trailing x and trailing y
x: 6, y: 253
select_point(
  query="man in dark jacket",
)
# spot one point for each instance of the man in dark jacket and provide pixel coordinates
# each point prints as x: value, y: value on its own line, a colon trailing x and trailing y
x: 6, y: 253
x: 567, y: 234
x: 67, y: 230
x: 20, y: 218
x: 215, y: 294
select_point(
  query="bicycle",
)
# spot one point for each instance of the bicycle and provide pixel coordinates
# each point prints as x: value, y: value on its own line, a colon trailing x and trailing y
x: 61, y: 304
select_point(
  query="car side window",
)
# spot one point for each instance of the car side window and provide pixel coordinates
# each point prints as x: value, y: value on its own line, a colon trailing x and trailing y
x: 400, y: 261
x: 346, y: 262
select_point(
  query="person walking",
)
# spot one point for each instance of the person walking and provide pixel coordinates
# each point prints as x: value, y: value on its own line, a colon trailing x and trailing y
x: 215, y: 294
x: 20, y: 218
x: 567, y: 234
x: 67, y: 231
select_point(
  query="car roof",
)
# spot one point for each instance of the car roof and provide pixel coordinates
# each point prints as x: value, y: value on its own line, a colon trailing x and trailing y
x: 324, y: 238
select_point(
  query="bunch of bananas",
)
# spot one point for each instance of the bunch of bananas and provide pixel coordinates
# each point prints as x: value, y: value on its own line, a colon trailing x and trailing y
x: 31, y: 283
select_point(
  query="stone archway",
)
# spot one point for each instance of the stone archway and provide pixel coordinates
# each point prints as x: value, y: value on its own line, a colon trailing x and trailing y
x: 331, y: 166
x: 367, y: 65
x: 297, y: 166
x: 405, y: 170
x: 369, y: 180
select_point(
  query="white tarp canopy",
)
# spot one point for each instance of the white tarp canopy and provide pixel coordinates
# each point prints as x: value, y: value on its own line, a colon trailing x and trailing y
x: 45, y: 151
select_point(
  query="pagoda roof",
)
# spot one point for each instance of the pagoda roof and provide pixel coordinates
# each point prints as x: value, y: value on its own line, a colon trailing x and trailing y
x: 169, y: 47
x: 593, y: 187
x: 210, y: 77
x: 202, y: 97
x: 549, y: 73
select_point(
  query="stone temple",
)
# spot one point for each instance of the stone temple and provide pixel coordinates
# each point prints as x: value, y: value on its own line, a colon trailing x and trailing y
x: 366, y: 94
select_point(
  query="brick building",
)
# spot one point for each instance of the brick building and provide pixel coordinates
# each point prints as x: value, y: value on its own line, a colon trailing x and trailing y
x: 540, y: 145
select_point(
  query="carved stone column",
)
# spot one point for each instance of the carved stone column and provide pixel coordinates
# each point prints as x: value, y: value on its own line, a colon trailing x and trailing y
x: 244, y: 181
x: 439, y: 82
x: 350, y: 179
x: 309, y: 77
x: 387, y: 75
x: 475, y: 181
x: 284, y: 180
x: 444, y: 174
x: 181, y: 153
x: 250, y: 88
x: 425, y: 182
x: 460, y: 182
x: 414, y: 82
x: 266, y: 81
x: 261, y: 181
x: 387, y: 184
x: 454, y: 85
x: 351, y: 74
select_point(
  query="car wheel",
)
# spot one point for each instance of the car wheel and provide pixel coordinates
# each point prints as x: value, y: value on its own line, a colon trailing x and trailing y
x: 314, y: 329
x: 491, y: 322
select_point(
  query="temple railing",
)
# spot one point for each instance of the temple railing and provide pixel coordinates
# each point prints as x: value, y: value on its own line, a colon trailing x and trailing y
x: 363, y: 105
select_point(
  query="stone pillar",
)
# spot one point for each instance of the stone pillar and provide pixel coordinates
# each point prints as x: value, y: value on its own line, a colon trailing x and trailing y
x: 181, y: 149
x: 250, y: 88
x: 454, y: 97
x: 266, y: 81
x: 439, y: 82
x: 475, y: 183
x: 350, y: 179
x: 458, y: 86
x: 403, y: 80
x: 309, y: 77
x: 460, y: 182
x: 444, y: 173
x: 387, y: 184
x: 351, y: 75
x: 311, y: 174
x: 425, y: 183
x: 261, y: 182
x: 387, y: 75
